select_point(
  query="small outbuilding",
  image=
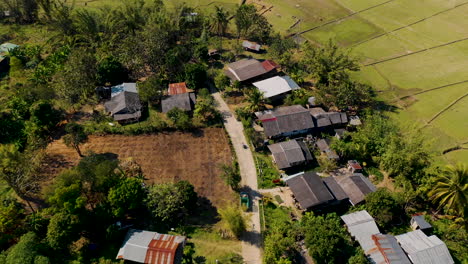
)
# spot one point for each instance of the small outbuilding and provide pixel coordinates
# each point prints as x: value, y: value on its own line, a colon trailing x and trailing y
x: 290, y: 153
x: 324, y: 120
x: 418, y: 222
x: 151, y: 248
x: 276, y: 88
x: 251, y: 46
x: 178, y: 88
x: 354, y: 166
x: 185, y: 101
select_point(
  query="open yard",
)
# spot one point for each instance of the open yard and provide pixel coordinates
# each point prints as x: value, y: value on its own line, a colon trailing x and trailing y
x: 160, y: 157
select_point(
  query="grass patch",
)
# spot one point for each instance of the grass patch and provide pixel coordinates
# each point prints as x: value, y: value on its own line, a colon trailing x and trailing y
x: 266, y: 171
x: 209, y: 246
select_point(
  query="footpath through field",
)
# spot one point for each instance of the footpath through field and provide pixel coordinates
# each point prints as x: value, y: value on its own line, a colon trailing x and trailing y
x: 251, y: 241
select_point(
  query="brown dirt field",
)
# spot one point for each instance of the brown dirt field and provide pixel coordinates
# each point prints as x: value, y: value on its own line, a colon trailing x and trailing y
x: 164, y: 157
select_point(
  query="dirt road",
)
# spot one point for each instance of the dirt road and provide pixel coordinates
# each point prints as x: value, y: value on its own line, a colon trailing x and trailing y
x: 251, y: 241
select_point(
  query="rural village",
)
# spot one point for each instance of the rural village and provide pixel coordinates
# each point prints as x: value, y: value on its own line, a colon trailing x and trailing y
x: 154, y: 131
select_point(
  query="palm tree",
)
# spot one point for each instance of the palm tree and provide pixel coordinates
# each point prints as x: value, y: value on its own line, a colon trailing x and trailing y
x: 451, y: 189
x: 220, y: 21
x: 255, y: 99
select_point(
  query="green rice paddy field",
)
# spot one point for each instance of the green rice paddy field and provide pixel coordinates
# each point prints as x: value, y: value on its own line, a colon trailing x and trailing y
x: 376, y: 30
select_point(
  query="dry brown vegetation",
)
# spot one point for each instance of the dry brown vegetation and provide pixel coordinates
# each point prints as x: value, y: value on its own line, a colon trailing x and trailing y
x: 164, y: 157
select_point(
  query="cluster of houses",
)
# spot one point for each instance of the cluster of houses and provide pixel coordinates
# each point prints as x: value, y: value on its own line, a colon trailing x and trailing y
x: 124, y: 105
x: 414, y: 247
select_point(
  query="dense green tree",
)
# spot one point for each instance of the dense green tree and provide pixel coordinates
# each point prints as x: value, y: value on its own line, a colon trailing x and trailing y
x: 384, y: 207
x: 231, y: 175
x: 111, y: 71
x: 195, y: 75
x: 232, y: 220
x: 126, y: 197
x: 75, y: 137
x: 62, y: 230
x: 44, y: 118
x: 222, y: 81
x: 298, y: 97
x: 26, y: 251
x: 152, y: 89
x: 180, y: 118
x: 328, y: 64
x: 68, y: 199
x: 252, y: 25
x: 281, y: 49
x: 255, y: 100
x: 171, y: 203
x: 11, y: 222
x: 76, y: 83
x: 345, y: 95
x: 22, y: 11
x: 451, y: 190
x: 326, y: 238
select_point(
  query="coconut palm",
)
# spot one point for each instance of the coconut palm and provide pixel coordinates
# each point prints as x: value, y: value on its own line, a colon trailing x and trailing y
x: 220, y: 21
x: 255, y: 99
x: 451, y: 189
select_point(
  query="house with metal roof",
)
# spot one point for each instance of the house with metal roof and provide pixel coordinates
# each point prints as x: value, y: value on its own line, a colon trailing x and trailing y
x: 185, y: 101
x: 379, y: 248
x: 290, y: 153
x: 178, y: 88
x: 356, y: 187
x: 324, y: 120
x: 249, y: 69
x: 5, y: 48
x: 285, y: 121
x: 124, y: 87
x: 335, y: 189
x: 309, y: 190
x: 151, y: 248
x: 124, y: 107
x: 423, y: 249
x: 251, y: 46
x: 276, y: 88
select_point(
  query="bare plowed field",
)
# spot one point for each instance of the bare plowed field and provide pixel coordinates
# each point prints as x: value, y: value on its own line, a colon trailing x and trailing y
x: 164, y: 157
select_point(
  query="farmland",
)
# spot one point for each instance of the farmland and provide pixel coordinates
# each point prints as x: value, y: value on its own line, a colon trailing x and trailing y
x: 160, y: 157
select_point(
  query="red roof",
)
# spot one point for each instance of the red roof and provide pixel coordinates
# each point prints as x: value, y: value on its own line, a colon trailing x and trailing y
x: 161, y: 250
x: 269, y: 65
x: 177, y: 88
x: 355, y: 165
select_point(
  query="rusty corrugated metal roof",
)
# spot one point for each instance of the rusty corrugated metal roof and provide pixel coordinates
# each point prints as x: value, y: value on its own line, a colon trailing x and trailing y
x: 178, y: 88
x: 269, y: 65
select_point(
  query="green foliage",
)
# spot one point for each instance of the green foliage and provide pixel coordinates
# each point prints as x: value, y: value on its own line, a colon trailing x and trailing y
x: 62, y: 230
x: 171, y: 203
x: 345, y: 95
x: 328, y: 64
x: 52, y: 64
x: 266, y: 171
x: 44, y: 118
x: 232, y: 220
x: 255, y: 100
x: 111, y: 71
x: 231, y: 175
x: 29, y: 55
x: 75, y: 136
x: 11, y: 222
x: 179, y: 118
x: 451, y: 190
x: 385, y: 207
x: 222, y: 81
x: 281, y: 49
x: 298, y: 97
x: 454, y: 236
x: 326, y: 164
x: 251, y: 25
x: 126, y: 197
x: 195, y: 75
x: 358, y: 258
x: 152, y: 89
x: 68, y: 198
x: 205, y: 108
x: 326, y: 238
x: 280, y: 236
x: 76, y: 83
x: 26, y: 251
x: 219, y: 21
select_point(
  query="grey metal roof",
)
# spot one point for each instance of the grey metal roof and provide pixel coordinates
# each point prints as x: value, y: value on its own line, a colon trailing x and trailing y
x: 185, y: 101
x: 361, y: 226
x: 386, y: 250
x: 128, y: 87
x: 309, y: 190
x: 418, y: 221
x: 285, y: 119
x: 422, y: 249
x: 276, y: 85
x: 356, y: 187
x: 322, y: 145
x: 251, y: 45
x: 288, y: 153
x: 245, y: 69
x: 335, y: 188
x: 123, y: 103
x: 323, y: 119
